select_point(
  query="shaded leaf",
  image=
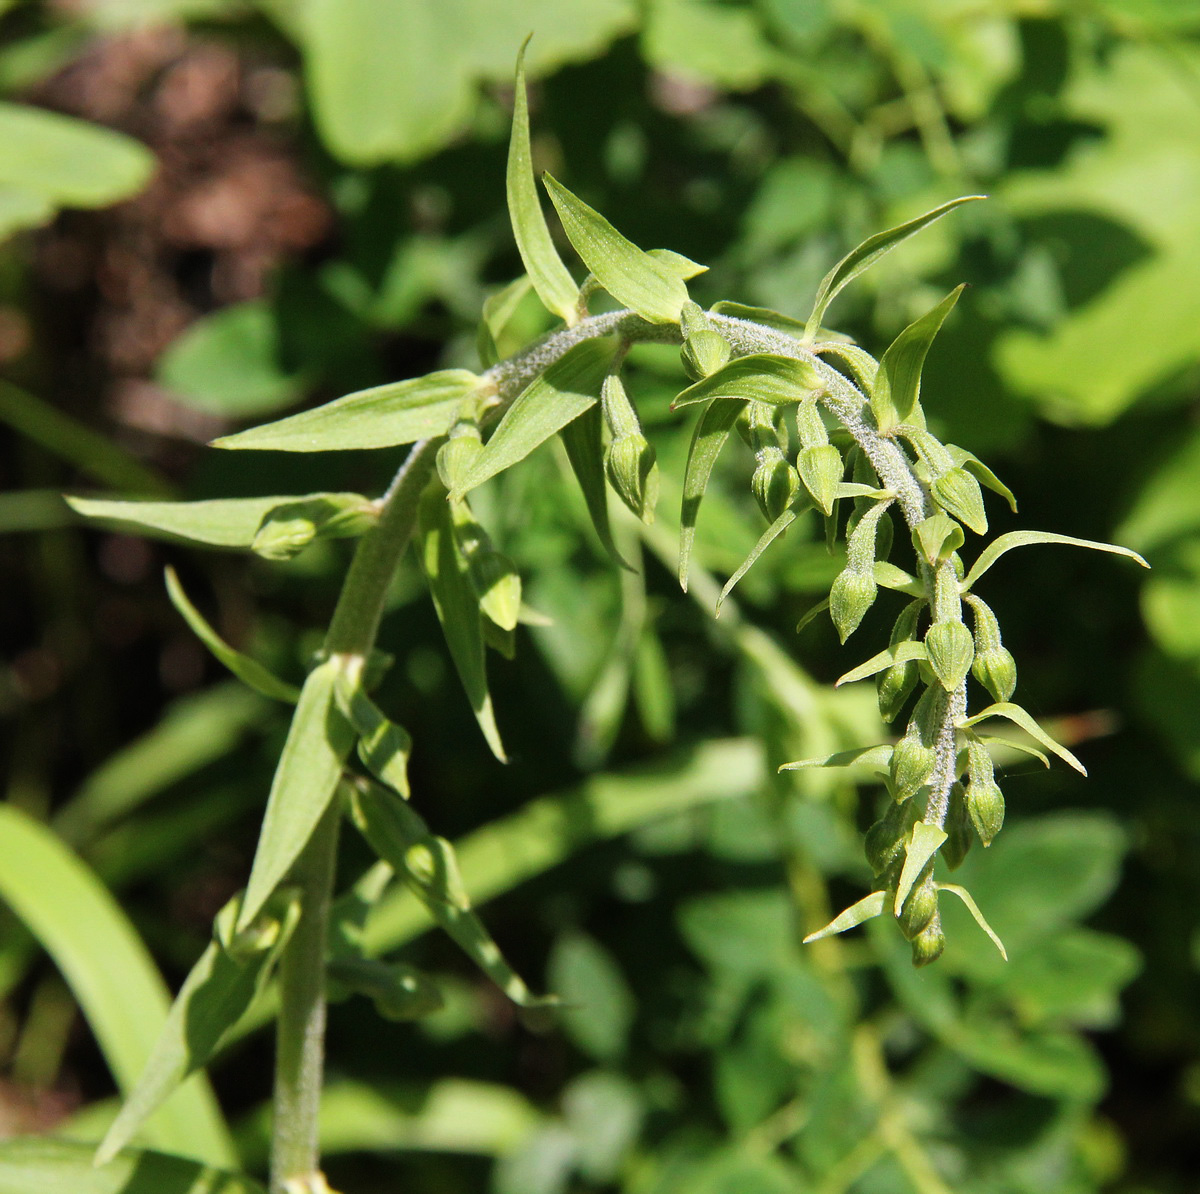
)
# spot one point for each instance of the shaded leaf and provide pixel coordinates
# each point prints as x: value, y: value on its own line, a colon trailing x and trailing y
x: 583, y: 440
x: 383, y: 746
x: 712, y: 429
x: 923, y: 844
x: 973, y: 908
x: 219, y: 522
x: 768, y: 537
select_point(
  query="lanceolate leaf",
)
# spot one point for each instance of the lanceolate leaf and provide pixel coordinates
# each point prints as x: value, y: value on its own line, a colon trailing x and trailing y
x: 383, y: 746
x: 982, y: 474
x: 583, y: 440
x: 898, y: 384
x: 318, y: 741
x: 221, y: 522
x: 400, y: 412
x: 866, y: 254
x: 498, y: 309
x: 249, y: 671
x: 74, y: 917
x: 973, y: 908
x: 1003, y: 543
x: 457, y: 607
x: 428, y: 864
x: 877, y: 757
x: 889, y: 576
x: 551, y: 279
x: 904, y: 653
x: 763, y: 315
x: 552, y: 400
x: 1018, y: 716
x: 768, y: 537
x: 761, y: 377
x: 642, y: 283
x: 922, y: 846
x: 866, y: 909
x: 708, y: 439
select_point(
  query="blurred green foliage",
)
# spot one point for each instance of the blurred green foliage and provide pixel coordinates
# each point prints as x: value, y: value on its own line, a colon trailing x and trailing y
x: 327, y: 214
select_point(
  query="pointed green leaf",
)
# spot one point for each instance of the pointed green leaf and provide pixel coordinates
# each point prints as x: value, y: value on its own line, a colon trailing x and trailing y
x: 819, y: 608
x: 221, y: 522
x: 937, y: 538
x: 640, y: 282
x: 904, y: 653
x: 957, y: 492
x: 982, y: 474
x: 498, y: 309
x: 1018, y: 716
x: 1003, y: 744
x: 430, y: 868
x: 760, y: 377
x: 249, y: 671
x: 898, y: 384
x: 821, y: 468
x: 889, y: 576
x: 765, y: 540
x: 552, y: 400
x: 866, y: 909
x: 583, y: 440
x: 973, y: 908
x: 923, y: 844
x: 762, y: 315
x: 684, y: 268
x: 43, y: 1165
x: 866, y: 254
x: 457, y: 607
x: 383, y: 746
x: 400, y: 412
x: 708, y: 439
x: 862, y: 364
x: 551, y: 279
x: 214, y: 996
x: 876, y: 757
x: 306, y: 777
x: 111, y: 975
x: 1007, y: 542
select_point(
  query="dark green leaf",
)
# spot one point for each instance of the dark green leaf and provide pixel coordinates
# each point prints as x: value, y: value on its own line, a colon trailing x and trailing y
x: 582, y: 438
x: 708, y: 439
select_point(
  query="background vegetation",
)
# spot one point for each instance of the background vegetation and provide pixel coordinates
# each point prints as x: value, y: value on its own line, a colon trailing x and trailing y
x: 324, y: 211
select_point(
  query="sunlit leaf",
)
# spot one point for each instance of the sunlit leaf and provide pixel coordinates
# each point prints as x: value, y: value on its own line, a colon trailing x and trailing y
x: 923, y: 844
x: 876, y: 757
x: 904, y: 653
x: 760, y: 377
x: 708, y: 439
x: 973, y: 908
x: 1007, y: 542
x: 868, y: 907
x: 898, y: 383
x: 768, y: 537
x: 1018, y: 716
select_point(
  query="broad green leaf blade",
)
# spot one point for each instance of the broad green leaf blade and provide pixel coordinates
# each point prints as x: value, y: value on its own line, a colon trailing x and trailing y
x: 634, y: 278
x: 583, y: 440
x: 306, y: 777
x: 1007, y: 542
x: 70, y: 912
x: 888, y: 576
x: 387, y: 416
x: 249, y: 671
x: 383, y: 746
x: 982, y: 474
x: 71, y: 163
x: 41, y: 1165
x: 760, y: 377
x: 221, y: 522
x: 430, y: 868
x: 904, y: 653
x: 551, y: 279
x: 214, y: 996
x: 898, y: 384
x: 865, y: 255
x: 866, y: 909
x: 922, y: 846
x: 708, y: 439
x: 876, y: 757
x: 1019, y: 717
x: 457, y: 606
x: 973, y: 908
x: 552, y: 400
x: 765, y: 540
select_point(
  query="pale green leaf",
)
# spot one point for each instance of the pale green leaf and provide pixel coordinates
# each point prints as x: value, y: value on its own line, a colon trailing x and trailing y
x: 762, y: 315
x: 383, y: 746
x: 219, y: 522
x: 598, y: 1006
x: 904, y: 653
x: 111, y: 975
x: 898, y: 383
x: 306, y: 777
x: 1019, y: 717
x: 889, y: 576
x: 69, y: 162
x: 1007, y: 542
x: 457, y: 606
x: 635, y: 279
x: 923, y: 844
x: 400, y: 412
x: 498, y: 310
x: 42, y: 1165
x: 768, y: 537
x: 982, y: 474
x: 684, y: 268
x: 712, y: 429
x: 866, y: 909
x: 819, y: 608
x: 866, y: 254
x: 551, y: 279
x: 1002, y: 745
x: 876, y: 757
x: 249, y: 671
x: 760, y: 377
x: 583, y: 440
x: 973, y: 908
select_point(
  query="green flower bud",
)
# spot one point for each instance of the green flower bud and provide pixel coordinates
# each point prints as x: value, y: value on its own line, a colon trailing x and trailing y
x: 852, y: 594
x: 885, y: 841
x: 912, y: 763
x: 774, y: 483
x: 996, y: 670
x: 958, y: 493
x: 630, y: 464
x: 958, y: 830
x: 821, y: 468
x: 704, y: 351
x: 951, y: 651
x: 928, y: 944
x: 920, y: 907
x: 282, y: 538
x: 985, y: 807
x: 455, y: 457
x: 895, y: 683
x: 619, y: 414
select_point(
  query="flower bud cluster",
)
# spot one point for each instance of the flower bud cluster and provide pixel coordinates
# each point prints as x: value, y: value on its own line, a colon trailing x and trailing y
x: 630, y: 461
x: 775, y: 482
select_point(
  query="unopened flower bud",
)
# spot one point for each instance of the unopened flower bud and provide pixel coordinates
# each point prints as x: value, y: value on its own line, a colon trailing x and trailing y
x: 885, y: 841
x: 958, y: 493
x: 985, y: 806
x: 912, y: 764
x: 958, y: 830
x: 630, y: 464
x: 704, y: 352
x: 951, y: 651
x: 774, y: 483
x: 894, y: 684
x: 920, y: 907
x: 455, y: 457
x: 851, y: 595
x: 928, y: 944
x: 821, y: 468
x: 996, y: 670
